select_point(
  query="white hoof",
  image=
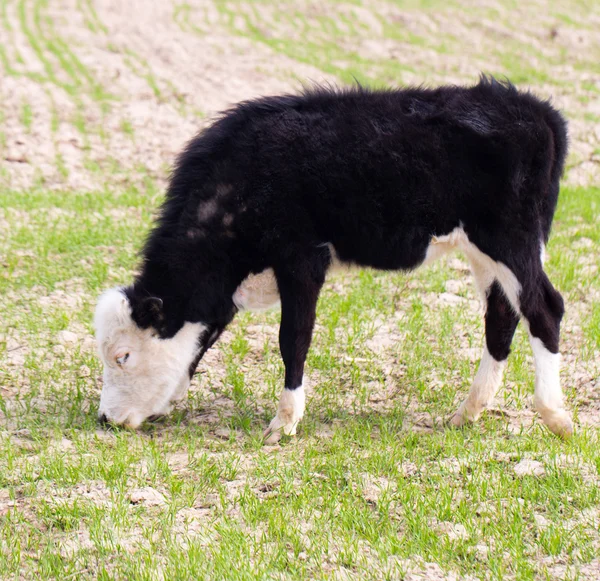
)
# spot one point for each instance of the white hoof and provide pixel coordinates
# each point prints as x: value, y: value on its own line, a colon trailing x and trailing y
x: 289, y: 412
x: 457, y: 420
x: 558, y: 422
x: 463, y: 416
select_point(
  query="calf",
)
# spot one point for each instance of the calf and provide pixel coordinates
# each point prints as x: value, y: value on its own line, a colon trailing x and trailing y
x: 389, y: 179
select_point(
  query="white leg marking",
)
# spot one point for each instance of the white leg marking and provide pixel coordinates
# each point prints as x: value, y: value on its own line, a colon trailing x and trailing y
x: 482, y: 392
x: 485, y: 271
x: 548, y: 397
x: 290, y: 411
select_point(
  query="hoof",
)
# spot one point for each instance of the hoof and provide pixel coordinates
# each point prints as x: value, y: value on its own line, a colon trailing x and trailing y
x: 279, y: 425
x: 289, y: 413
x: 271, y: 438
x: 462, y: 417
x: 559, y: 423
x: 273, y: 434
x: 457, y: 421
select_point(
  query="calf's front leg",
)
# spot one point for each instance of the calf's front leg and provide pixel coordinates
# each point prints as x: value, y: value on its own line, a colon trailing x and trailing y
x: 299, y: 287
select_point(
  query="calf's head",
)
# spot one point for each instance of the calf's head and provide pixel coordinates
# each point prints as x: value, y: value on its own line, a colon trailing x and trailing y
x: 143, y: 373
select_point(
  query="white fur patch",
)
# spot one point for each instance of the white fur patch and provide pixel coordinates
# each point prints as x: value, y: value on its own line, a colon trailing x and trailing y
x: 484, y: 268
x: 548, y: 396
x: 289, y: 412
x: 258, y: 292
x: 482, y: 392
x: 155, y: 371
x: 547, y: 382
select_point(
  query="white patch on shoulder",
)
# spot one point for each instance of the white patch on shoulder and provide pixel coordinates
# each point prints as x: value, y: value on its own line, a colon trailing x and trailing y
x: 258, y: 292
x: 289, y: 412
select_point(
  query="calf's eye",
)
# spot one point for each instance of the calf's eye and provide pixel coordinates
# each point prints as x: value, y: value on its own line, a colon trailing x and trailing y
x: 122, y: 359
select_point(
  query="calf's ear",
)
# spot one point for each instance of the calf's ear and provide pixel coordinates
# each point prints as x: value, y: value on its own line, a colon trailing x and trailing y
x: 148, y: 312
x: 153, y: 305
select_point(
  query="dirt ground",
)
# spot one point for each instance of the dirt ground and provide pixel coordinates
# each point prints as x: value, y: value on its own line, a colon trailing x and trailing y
x: 115, y: 88
x: 101, y: 95
x: 138, y: 78
x: 159, y: 79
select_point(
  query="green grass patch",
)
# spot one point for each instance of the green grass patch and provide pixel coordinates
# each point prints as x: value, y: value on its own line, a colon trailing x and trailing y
x: 375, y: 486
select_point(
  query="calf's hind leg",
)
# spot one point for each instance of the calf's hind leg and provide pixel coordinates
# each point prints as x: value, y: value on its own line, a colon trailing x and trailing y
x: 543, y: 308
x: 299, y: 283
x: 500, y: 324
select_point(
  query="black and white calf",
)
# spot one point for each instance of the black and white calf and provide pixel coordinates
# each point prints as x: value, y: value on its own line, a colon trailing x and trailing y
x: 384, y: 179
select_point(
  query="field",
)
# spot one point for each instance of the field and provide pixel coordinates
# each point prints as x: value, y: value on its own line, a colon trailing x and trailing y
x: 96, y: 99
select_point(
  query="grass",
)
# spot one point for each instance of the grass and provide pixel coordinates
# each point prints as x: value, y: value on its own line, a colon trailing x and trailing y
x: 359, y: 489
x: 27, y: 117
x: 374, y: 486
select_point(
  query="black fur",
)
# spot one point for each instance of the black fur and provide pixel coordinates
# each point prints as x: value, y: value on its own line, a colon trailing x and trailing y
x: 206, y: 340
x: 500, y: 323
x: 374, y: 173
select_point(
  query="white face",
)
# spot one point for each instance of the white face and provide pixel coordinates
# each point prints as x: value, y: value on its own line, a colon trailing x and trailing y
x: 143, y: 374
